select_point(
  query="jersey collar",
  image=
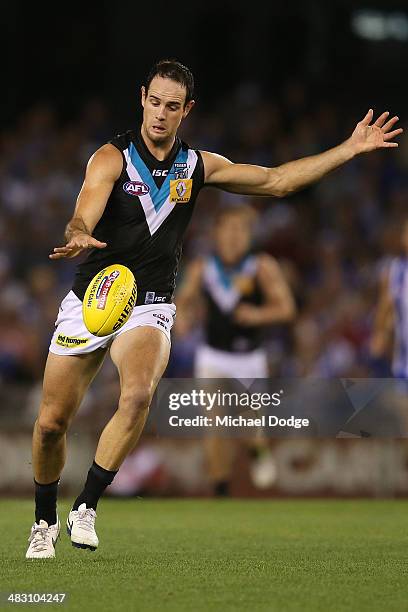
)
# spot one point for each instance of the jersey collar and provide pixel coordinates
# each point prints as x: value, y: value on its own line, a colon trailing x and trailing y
x: 150, y: 160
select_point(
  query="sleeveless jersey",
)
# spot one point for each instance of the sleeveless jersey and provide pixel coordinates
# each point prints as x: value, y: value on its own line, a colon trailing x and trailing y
x: 145, y: 217
x: 399, y: 292
x: 224, y: 289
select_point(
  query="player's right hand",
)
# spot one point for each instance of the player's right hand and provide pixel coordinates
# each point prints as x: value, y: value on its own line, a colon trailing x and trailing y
x: 76, y: 245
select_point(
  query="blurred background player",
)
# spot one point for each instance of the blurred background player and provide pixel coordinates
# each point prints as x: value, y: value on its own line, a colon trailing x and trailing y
x: 391, y: 321
x: 243, y: 293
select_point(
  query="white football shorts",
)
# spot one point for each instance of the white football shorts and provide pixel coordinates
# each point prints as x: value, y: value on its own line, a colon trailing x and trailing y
x: 213, y: 363
x: 71, y: 337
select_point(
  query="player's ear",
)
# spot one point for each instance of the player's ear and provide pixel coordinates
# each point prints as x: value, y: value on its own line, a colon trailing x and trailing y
x: 143, y: 94
x: 188, y: 108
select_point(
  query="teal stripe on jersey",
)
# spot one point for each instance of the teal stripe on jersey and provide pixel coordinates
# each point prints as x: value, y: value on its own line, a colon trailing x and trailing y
x: 226, y: 276
x: 144, y: 171
x: 158, y: 196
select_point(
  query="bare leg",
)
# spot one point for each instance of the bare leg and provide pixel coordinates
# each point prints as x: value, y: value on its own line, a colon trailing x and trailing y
x: 141, y: 356
x: 66, y: 379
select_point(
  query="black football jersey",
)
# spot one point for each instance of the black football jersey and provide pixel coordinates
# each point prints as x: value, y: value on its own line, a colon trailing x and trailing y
x: 145, y: 217
x: 224, y: 289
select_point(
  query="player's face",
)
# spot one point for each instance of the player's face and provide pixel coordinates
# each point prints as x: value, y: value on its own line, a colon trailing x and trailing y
x: 164, y: 109
x: 232, y: 238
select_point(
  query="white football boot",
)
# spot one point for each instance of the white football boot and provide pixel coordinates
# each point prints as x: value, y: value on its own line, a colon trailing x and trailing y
x: 42, y: 540
x: 263, y: 470
x: 81, y: 528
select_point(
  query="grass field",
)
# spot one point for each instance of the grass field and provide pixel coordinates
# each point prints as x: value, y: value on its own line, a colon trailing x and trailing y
x: 220, y: 555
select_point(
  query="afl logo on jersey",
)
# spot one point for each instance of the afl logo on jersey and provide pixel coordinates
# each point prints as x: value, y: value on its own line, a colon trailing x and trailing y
x: 136, y: 188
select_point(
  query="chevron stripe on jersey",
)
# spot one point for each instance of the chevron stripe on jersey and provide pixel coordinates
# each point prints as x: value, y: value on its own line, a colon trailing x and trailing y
x: 220, y: 284
x: 156, y: 204
x: 144, y: 231
x: 224, y: 289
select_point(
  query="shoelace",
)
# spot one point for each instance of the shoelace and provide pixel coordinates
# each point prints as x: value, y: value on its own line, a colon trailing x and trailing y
x: 38, y: 538
x: 86, y: 519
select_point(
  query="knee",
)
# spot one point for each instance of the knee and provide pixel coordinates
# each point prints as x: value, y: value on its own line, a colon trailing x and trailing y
x: 135, y: 403
x: 51, y: 427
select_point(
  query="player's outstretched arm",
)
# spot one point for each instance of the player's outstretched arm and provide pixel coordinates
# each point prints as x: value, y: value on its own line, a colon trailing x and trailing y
x: 104, y: 168
x: 288, y: 178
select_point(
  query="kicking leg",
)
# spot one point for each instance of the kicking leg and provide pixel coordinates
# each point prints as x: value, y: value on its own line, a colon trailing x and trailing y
x: 141, y: 356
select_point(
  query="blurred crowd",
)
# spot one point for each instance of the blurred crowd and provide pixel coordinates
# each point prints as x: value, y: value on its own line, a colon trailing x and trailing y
x: 332, y: 240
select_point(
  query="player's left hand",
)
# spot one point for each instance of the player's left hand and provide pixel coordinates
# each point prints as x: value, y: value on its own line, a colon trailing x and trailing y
x: 246, y: 314
x: 379, y: 135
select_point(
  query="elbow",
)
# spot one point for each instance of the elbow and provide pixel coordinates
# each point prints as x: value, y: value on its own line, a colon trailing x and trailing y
x: 278, y: 193
x: 277, y: 184
x: 282, y: 190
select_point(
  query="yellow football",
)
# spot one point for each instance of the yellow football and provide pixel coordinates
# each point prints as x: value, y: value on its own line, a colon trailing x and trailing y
x: 109, y: 300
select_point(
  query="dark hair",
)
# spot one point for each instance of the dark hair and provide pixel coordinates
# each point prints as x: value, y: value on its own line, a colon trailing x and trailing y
x: 174, y: 70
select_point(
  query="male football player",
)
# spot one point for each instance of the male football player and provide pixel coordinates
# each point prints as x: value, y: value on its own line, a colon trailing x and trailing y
x: 134, y: 206
x: 243, y: 294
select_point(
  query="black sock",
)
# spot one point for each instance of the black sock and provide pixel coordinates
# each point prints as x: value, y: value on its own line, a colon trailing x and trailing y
x: 46, y: 502
x: 221, y: 488
x: 97, y: 481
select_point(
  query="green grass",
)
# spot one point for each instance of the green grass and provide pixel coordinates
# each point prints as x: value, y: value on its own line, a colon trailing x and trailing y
x: 221, y: 555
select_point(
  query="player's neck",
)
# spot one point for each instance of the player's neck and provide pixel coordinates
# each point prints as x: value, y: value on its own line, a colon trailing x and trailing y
x: 227, y: 262
x: 159, y: 150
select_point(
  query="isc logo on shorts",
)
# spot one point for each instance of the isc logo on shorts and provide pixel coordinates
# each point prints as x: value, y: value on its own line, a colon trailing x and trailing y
x: 180, y: 190
x: 152, y: 298
x: 69, y: 341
